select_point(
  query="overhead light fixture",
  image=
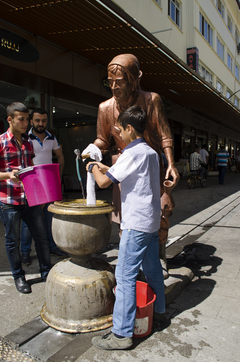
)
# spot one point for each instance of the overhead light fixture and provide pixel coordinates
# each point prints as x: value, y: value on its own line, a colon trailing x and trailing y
x: 53, y: 109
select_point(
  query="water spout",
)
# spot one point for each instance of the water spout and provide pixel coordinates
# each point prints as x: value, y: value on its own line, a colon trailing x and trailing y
x: 77, y: 153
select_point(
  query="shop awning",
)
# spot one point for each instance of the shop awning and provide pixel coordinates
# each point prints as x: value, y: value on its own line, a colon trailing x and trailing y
x: 98, y: 30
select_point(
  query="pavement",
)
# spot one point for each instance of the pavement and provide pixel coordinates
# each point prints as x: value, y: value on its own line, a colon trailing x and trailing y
x: 203, y: 322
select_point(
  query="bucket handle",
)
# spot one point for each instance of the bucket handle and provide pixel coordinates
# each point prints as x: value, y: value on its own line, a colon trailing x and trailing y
x: 23, y: 170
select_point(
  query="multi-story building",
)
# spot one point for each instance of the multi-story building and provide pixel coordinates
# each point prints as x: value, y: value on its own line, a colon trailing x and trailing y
x: 54, y: 54
x: 205, y: 34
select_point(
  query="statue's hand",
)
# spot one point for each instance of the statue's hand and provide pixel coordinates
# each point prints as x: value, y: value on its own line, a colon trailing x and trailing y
x: 172, y: 171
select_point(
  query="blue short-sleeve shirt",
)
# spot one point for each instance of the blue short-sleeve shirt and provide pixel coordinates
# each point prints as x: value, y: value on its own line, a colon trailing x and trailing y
x: 137, y: 169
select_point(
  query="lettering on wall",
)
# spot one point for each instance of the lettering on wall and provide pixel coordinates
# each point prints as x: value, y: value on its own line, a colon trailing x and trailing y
x: 17, y: 48
x: 9, y: 44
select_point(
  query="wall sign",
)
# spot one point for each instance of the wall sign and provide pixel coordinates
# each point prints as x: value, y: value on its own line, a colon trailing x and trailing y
x: 193, y: 58
x: 17, y: 48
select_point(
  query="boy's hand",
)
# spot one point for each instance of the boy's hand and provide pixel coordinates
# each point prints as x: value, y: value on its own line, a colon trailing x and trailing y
x: 103, y: 168
x: 99, y: 173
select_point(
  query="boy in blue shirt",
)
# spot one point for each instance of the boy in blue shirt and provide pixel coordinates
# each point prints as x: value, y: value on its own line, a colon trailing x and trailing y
x: 137, y: 169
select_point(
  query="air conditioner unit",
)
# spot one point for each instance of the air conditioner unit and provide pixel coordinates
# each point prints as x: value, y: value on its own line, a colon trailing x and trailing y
x: 238, y: 48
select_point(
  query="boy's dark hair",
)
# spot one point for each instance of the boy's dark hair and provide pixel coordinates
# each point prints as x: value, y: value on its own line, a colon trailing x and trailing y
x: 16, y: 107
x: 38, y: 110
x: 197, y: 148
x: 135, y: 116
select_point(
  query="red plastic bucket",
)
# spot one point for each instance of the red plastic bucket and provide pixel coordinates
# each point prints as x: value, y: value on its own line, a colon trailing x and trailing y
x: 41, y: 183
x: 145, y: 304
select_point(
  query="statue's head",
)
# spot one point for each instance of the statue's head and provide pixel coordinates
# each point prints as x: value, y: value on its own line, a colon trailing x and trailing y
x: 124, y: 76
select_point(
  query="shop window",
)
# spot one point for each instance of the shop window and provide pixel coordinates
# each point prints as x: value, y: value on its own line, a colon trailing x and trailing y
x: 69, y: 114
x: 201, y: 138
x: 228, y: 94
x: 212, y: 147
x: 188, y: 141
x: 174, y: 11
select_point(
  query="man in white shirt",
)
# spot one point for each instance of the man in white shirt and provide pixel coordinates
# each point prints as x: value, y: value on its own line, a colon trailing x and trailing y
x: 204, y: 153
x: 44, y: 143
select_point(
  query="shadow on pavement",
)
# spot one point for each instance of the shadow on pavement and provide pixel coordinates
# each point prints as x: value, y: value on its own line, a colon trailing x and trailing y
x: 190, y: 202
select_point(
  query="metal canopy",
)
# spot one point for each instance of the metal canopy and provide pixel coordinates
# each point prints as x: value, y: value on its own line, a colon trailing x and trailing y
x: 98, y: 30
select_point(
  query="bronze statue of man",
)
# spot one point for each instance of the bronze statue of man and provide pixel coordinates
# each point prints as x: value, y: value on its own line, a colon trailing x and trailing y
x: 124, y: 78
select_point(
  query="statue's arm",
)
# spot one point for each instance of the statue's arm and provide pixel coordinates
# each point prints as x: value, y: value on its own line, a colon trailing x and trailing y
x: 103, y: 130
x: 164, y: 134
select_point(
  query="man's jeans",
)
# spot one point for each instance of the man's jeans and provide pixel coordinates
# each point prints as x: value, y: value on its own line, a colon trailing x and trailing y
x: 136, y: 249
x: 26, y: 237
x: 222, y: 170
x: 202, y: 171
x: 11, y: 216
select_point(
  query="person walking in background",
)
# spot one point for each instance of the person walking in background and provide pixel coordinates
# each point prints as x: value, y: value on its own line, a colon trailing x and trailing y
x: 196, y: 162
x: 205, y: 155
x: 222, y: 158
x: 44, y: 144
x: 16, y: 152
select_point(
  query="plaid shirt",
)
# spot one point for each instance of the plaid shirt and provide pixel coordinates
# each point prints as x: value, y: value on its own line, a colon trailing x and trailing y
x: 195, y: 161
x: 12, y: 156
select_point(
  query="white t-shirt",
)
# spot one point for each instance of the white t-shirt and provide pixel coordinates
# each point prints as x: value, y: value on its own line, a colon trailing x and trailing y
x: 204, y: 154
x: 43, y: 150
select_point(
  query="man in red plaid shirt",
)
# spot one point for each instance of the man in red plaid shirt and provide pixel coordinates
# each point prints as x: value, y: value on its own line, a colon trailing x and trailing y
x: 16, y: 153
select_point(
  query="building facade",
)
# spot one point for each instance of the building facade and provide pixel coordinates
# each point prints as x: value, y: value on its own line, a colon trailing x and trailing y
x: 205, y: 34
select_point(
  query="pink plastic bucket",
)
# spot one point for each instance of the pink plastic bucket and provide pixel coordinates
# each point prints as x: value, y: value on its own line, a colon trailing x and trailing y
x: 144, y: 314
x: 41, y: 183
